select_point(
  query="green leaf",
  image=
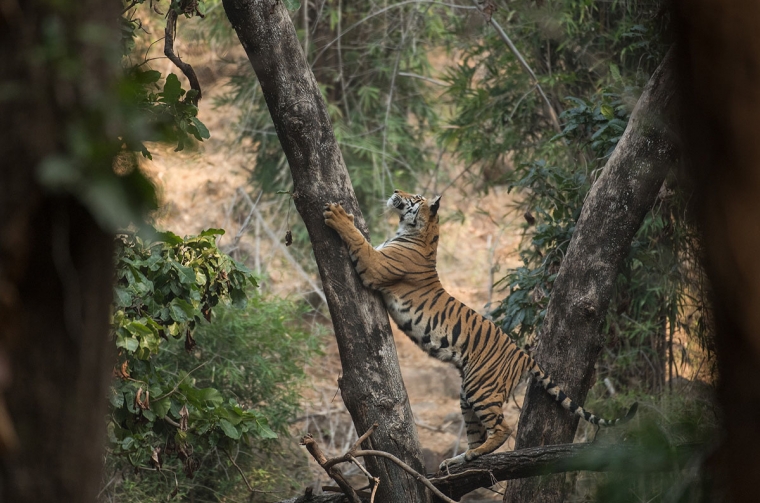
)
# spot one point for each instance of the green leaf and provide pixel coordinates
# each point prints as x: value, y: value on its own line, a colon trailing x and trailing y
x: 169, y: 238
x: 186, y: 274
x: 212, y: 232
x: 172, y: 89
x: 228, y: 429
x: 264, y: 431
x: 211, y: 396
x: 122, y: 297
x: 116, y: 398
x: 203, y: 133
x: 181, y: 310
x: 161, y: 407
x: 148, y: 77
x: 292, y: 4
x: 608, y: 112
x: 615, y: 72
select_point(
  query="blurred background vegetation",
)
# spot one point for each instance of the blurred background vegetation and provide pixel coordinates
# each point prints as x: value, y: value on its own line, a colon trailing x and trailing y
x: 424, y: 95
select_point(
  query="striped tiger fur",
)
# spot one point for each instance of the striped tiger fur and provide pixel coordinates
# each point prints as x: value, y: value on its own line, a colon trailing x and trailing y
x: 403, y: 269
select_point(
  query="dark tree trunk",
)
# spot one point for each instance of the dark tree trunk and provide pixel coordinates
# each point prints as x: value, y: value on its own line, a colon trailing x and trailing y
x: 56, y: 263
x: 571, y: 338
x: 719, y: 82
x: 371, y: 385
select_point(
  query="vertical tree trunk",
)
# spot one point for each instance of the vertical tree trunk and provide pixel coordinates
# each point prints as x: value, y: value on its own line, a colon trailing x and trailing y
x: 56, y: 264
x: 371, y: 385
x: 571, y: 337
x: 719, y: 82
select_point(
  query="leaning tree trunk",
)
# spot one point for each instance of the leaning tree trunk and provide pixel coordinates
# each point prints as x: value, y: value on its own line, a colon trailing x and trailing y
x: 371, y: 385
x: 56, y: 264
x: 718, y: 80
x: 571, y: 337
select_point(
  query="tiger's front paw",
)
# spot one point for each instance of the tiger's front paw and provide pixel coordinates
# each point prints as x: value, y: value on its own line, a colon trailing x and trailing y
x: 337, y: 218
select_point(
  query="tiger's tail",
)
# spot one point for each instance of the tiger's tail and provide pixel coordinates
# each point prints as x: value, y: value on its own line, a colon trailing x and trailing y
x: 546, y: 382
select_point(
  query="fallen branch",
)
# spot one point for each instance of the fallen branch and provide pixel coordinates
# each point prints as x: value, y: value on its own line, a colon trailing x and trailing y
x: 536, y: 461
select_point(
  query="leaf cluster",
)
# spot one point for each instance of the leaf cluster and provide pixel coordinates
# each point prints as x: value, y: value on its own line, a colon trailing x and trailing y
x: 166, y: 287
x: 167, y: 114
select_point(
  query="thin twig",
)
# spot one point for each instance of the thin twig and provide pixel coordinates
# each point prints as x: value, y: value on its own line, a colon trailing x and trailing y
x: 176, y: 386
x: 422, y: 77
x: 374, y: 481
x: 247, y: 220
x: 123, y: 11
x: 240, y: 471
x: 414, y: 473
x: 276, y: 241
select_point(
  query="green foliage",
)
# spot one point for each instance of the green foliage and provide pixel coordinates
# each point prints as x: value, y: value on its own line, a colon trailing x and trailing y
x: 95, y: 121
x: 165, y: 288
x: 187, y: 388
x: 685, y: 418
x: 577, y: 48
x: 255, y: 357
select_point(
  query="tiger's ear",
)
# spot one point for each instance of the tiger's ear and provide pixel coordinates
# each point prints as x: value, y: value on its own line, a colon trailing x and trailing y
x: 434, y: 206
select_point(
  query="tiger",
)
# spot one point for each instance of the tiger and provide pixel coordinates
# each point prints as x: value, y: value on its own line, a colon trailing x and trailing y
x: 491, y: 364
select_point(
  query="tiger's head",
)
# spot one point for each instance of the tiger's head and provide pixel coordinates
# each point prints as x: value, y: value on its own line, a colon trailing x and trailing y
x: 414, y: 211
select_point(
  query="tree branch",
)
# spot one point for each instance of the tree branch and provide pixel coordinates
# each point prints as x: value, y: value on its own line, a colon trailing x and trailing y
x: 187, y: 70
x: 536, y: 461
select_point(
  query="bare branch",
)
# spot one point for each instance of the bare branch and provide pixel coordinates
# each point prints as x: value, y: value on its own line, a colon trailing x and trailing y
x: 407, y: 469
x: 187, y: 70
x: 313, y: 448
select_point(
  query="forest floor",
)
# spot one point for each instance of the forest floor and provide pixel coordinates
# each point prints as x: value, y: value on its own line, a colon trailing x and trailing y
x: 203, y: 188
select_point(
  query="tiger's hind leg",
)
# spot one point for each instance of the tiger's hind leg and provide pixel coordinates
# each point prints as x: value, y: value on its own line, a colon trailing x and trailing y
x: 476, y: 432
x: 485, y: 419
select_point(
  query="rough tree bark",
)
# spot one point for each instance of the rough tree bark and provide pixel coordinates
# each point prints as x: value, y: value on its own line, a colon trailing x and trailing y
x: 571, y: 337
x: 56, y: 264
x: 718, y: 81
x: 371, y: 385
